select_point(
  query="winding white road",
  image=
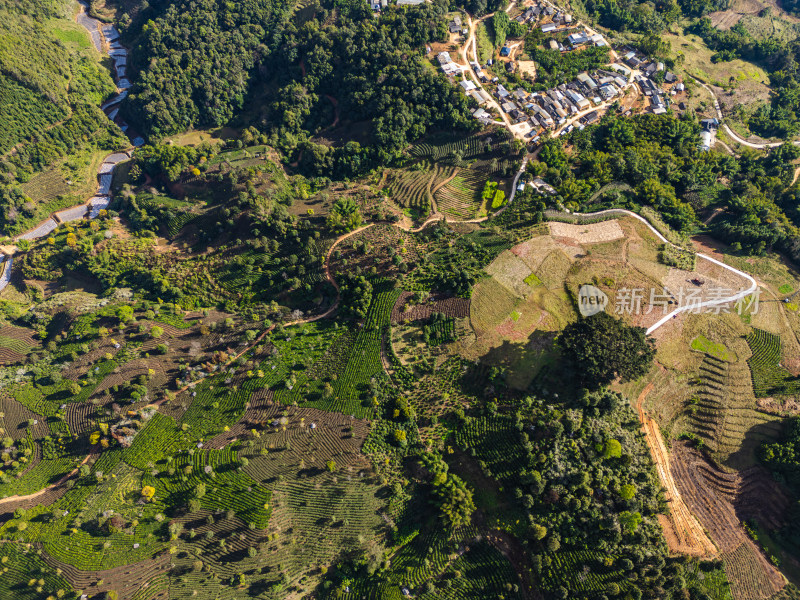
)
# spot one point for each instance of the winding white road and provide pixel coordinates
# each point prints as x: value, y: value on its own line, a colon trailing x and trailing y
x: 716, y: 302
x: 733, y: 135
x: 100, y: 34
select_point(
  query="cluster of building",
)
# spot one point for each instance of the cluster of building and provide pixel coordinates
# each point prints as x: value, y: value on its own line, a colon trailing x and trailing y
x: 657, y: 93
x: 545, y: 15
x: 578, y: 102
x: 708, y: 133
x: 456, y: 26
x: 551, y: 108
x: 448, y: 65
x: 539, y: 185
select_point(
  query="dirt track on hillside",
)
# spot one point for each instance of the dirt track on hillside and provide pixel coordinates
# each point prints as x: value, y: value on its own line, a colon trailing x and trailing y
x: 683, y: 532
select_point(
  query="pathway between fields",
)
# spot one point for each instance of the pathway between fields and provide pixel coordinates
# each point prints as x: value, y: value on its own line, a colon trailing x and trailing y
x: 52, y: 486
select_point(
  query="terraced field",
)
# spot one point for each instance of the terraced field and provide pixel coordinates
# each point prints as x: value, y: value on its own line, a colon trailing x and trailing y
x: 446, y: 147
x: 725, y: 416
x: 712, y: 497
x: 461, y: 197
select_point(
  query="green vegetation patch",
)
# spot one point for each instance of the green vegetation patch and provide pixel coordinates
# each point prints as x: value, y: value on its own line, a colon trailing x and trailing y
x: 533, y: 280
x: 21, y: 566
x: 702, y: 344
x: 678, y: 257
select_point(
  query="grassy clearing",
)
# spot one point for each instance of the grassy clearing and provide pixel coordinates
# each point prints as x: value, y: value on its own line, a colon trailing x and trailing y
x: 533, y: 280
x: 702, y: 344
x: 70, y: 33
x: 749, y: 77
x: 485, y: 46
x: 553, y: 270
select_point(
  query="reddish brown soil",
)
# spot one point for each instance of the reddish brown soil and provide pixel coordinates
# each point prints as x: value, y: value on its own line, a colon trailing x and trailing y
x: 450, y: 306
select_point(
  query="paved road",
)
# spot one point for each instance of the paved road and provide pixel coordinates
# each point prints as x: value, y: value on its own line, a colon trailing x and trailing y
x: 732, y: 134
x: 716, y: 302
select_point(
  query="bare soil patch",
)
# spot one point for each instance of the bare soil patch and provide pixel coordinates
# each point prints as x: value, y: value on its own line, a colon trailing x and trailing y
x: 527, y: 68
x: 594, y: 233
x: 684, y: 533
x: 450, y: 306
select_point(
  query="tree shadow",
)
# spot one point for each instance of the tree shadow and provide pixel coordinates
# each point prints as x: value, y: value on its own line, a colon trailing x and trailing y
x: 518, y: 363
x: 746, y: 455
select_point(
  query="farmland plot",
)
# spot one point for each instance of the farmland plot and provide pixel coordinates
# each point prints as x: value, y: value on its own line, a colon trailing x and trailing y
x: 461, y: 197
x: 750, y: 574
x: 411, y: 189
x: 406, y: 309
x: 447, y: 146
x: 325, y: 515
x: 593, y: 233
x: 511, y: 272
x: 769, y: 377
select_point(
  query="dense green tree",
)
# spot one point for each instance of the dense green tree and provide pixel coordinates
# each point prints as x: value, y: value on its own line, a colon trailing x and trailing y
x: 500, y: 25
x: 602, y: 348
x: 454, y: 500
x: 344, y: 216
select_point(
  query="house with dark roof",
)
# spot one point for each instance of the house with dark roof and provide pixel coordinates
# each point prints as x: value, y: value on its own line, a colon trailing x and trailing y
x: 633, y: 62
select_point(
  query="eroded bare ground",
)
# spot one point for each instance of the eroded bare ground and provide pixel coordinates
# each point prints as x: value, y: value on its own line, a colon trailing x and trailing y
x: 721, y: 501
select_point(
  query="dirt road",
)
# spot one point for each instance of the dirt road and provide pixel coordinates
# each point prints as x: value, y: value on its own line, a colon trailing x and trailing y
x: 472, y: 44
x: 683, y: 531
x: 52, y: 486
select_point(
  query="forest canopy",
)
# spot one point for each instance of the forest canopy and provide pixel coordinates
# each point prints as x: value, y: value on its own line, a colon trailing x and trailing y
x: 295, y: 81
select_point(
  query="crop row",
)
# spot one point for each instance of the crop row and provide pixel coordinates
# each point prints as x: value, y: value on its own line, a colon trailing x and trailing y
x: 461, y: 197
x: 494, y: 441
x: 20, y: 566
x: 411, y: 189
x: 581, y: 571
x: 481, y: 573
x: 228, y: 487
x: 769, y: 377
x: 351, y: 389
x: 469, y: 147
x: 325, y: 514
